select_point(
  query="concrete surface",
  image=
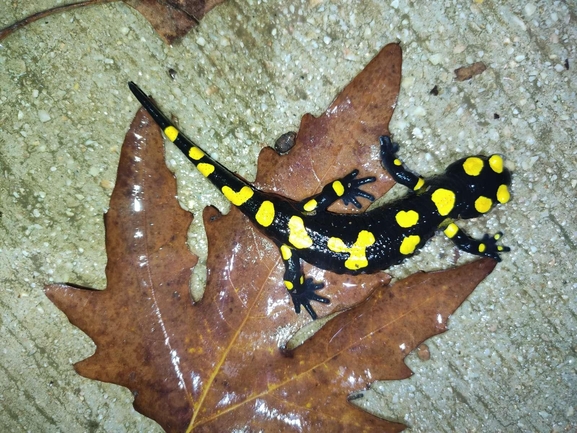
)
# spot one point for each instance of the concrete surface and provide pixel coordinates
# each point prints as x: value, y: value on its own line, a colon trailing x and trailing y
x: 245, y: 76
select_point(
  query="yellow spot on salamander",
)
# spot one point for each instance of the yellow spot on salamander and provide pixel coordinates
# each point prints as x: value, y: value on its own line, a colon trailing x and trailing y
x: 285, y: 252
x: 288, y: 285
x: 482, y: 248
x: 483, y: 204
x: 237, y: 198
x: 171, y: 132
x: 397, y: 162
x: 357, y: 252
x: 195, y: 153
x: 409, y: 244
x: 444, y: 199
x: 338, y: 187
x: 473, y: 166
x: 205, y: 169
x: 265, y: 214
x: 496, y: 163
x: 451, y: 230
x: 298, y: 235
x: 407, y: 219
x: 503, y: 195
x: 419, y: 184
x: 310, y: 205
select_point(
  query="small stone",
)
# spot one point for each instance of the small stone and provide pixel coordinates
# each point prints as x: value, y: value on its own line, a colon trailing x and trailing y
x: 459, y: 48
x: 407, y: 82
x: 435, y: 59
x: 530, y: 9
x: 43, y: 116
x: 285, y: 142
x: 106, y: 184
x: 423, y: 352
x: 420, y: 111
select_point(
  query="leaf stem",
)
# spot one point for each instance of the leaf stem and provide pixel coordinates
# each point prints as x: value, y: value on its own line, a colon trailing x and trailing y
x: 5, y: 32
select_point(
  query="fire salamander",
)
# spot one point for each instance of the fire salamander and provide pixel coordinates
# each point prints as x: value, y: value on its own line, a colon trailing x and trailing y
x: 358, y: 243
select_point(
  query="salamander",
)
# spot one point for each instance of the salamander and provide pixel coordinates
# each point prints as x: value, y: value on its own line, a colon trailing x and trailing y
x: 365, y: 242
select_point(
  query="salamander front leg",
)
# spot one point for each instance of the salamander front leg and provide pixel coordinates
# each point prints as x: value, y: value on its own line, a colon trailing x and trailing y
x: 346, y: 189
x: 302, y: 290
x: 485, y: 247
x: 395, y: 167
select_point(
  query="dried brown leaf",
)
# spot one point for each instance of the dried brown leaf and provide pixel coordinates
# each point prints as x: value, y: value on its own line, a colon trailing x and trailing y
x: 467, y: 72
x: 172, y: 19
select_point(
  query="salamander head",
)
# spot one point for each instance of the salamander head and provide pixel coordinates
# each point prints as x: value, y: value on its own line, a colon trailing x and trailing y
x: 484, y: 182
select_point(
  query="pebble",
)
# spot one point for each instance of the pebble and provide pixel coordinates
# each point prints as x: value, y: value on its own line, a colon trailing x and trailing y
x: 43, y: 116
x: 530, y: 9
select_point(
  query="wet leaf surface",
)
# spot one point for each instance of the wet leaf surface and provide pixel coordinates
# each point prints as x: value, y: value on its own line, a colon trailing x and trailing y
x: 223, y: 363
x: 253, y: 382
x: 138, y: 322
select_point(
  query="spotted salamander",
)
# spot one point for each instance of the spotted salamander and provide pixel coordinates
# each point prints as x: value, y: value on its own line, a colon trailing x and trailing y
x: 365, y: 242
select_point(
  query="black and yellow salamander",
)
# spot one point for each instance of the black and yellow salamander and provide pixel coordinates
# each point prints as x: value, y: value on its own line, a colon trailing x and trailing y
x: 365, y: 242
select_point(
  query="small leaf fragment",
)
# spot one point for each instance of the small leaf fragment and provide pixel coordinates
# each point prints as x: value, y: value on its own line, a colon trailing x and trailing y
x: 467, y: 72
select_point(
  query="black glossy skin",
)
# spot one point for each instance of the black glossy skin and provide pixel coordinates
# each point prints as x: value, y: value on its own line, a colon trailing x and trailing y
x: 386, y: 234
x: 380, y: 221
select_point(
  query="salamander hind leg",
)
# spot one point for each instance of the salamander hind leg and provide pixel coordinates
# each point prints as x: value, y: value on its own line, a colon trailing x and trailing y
x: 304, y: 293
x: 302, y: 290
